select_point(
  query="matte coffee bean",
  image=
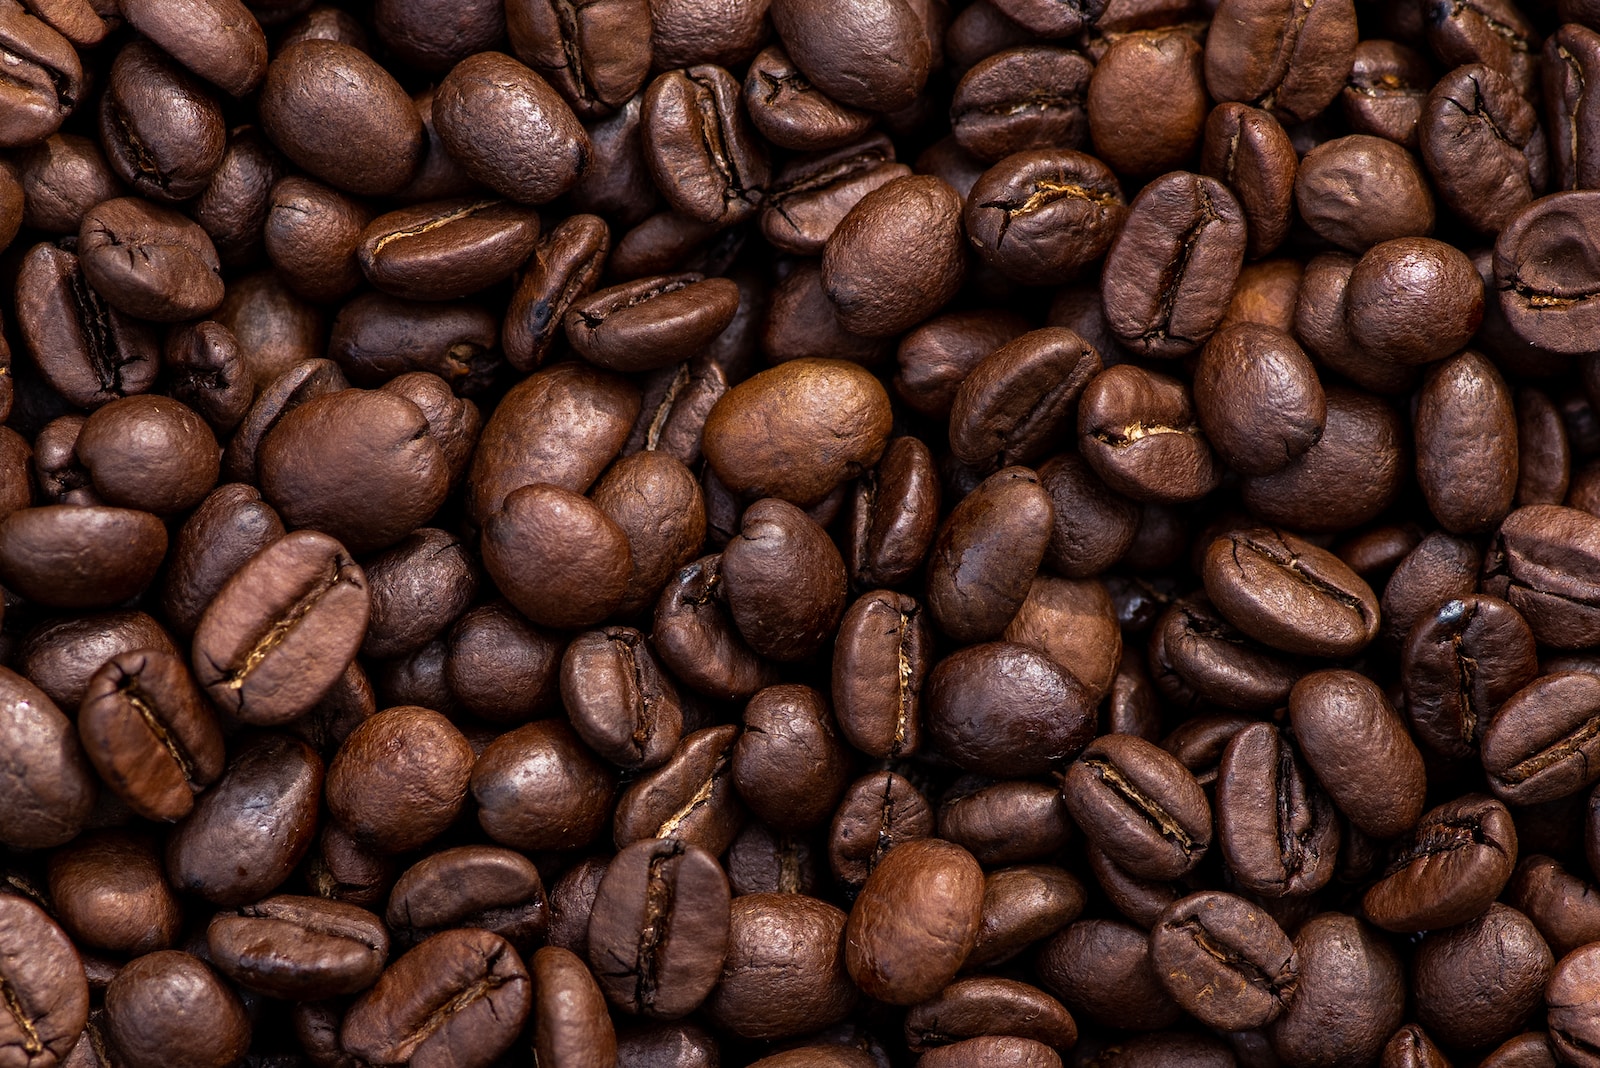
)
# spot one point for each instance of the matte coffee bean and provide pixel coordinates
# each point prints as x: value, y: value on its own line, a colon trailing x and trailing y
x: 162, y: 130
x: 1224, y: 960
x: 301, y: 948
x: 892, y: 515
x: 1537, y: 562
x: 936, y: 356
x: 149, y: 261
x: 400, y: 779
x: 914, y: 922
x: 1003, y: 709
x: 659, y: 933
x: 897, y: 257
x: 1291, y: 59
x: 537, y: 787
x: 1019, y: 99
x: 461, y: 996
x: 1538, y: 747
x: 1450, y: 971
x: 1102, y: 970
x: 784, y: 973
x: 1275, y: 825
x: 67, y: 556
x: 1041, y: 215
x: 1359, y: 750
x: 230, y: 526
x: 1140, y: 805
x: 282, y: 629
x: 691, y: 798
x: 1197, y: 657
x: 110, y: 892
x: 218, y: 40
x: 1350, y: 994
x: 878, y: 59
x: 565, y: 265
x: 1012, y: 820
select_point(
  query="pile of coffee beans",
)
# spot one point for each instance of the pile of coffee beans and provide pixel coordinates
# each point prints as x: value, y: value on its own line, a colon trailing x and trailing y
x: 800, y: 533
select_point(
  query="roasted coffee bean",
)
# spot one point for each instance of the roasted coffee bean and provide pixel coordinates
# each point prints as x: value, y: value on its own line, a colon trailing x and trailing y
x: 936, y: 356
x: 470, y: 886
x: 913, y: 223
x: 508, y: 129
x: 790, y: 112
x: 86, y: 350
x: 689, y: 798
x: 1018, y: 401
x: 1102, y: 969
x: 1539, y: 268
x: 48, y: 783
x: 761, y: 445
x: 46, y: 79
x: 1198, y: 657
x: 1140, y: 805
x: 67, y: 556
x: 619, y: 700
x: 1537, y: 562
x: 915, y: 921
x: 1290, y: 59
x: 1349, y: 996
x: 702, y: 153
x: 301, y: 948
x: 110, y: 892
x: 446, y: 249
x: 810, y: 196
x: 399, y: 779
x: 880, y: 660
x: 1247, y: 150
x: 1289, y: 594
x: 1413, y: 300
x: 1538, y: 746
x: 162, y: 131
x: 1461, y: 662
x: 784, y: 973
x: 1019, y: 99
x: 658, y: 936
x: 1452, y: 996
x: 1456, y: 861
x: 1041, y: 215
x: 334, y: 111
x: 537, y: 787
x: 892, y: 515
x: 148, y: 733
x: 878, y: 59
x: 150, y: 453
x: 1137, y: 430
x: 557, y: 557
x: 209, y: 373
x: 218, y: 40
x: 1003, y: 709
x: 1492, y: 32
x: 596, y: 56
x: 696, y: 637
x: 1225, y: 961
x: 1276, y: 827
x: 282, y: 629
x: 1006, y: 822
x: 565, y: 265
x: 1258, y: 399
x: 249, y: 830
x: 1172, y: 266
x: 149, y: 261
x: 651, y: 323
x: 1355, y: 743
x: 462, y: 995
x: 980, y: 1006
x: 1358, y: 191
x: 789, y: 765
x: 1153, y: 74
x: 170, y: 1000
x: 1484, y: 147
x: 980, y: 565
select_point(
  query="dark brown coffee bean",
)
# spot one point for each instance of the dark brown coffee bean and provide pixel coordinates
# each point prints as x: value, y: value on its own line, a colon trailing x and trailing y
x: 762, y: 445
x: 337, y: 113
x: 565, y: 265
x: 1093, y: 526
x: 691, y: 798
x: 229, y: 527
x: 150, y: 453
x: 1258, y: 399
x: 1138, y: 431
x: 148, y: 733
x: 171, y: 1000
x: 1492, y: 32
x: 218, y: 40
x: 1455, y: 863
x: 784, y: 974
x: 659, y: 933
x: 62, y: 177
x: 596, y: 56
x: 162, y: 130
x: 877, y: 60
x: 46, y: 83
x: 1413, y: 300
x: 893, y: 515
x: 1004, y: 709
x: 1224, y: 960
x: 1247, y: 150
x: 1197, y: 657
x: 461, y: 996
x: 1483, y: 145
x: 1570, y: 55
x: 1289, y: 594
x: 508, y: 129
x: 557, y: 557
x: 65, y: 556
x: 986, y: 554
x: 1291, y: 59
x: 786, y: 109
x: 915, y: 921
x: 897, y: 257
x: 1140, y: 805
x: 48, y: 784
x: 1358, y: 191
x: 1461, y: 662
x: 562, y: 426
x: 1006, y: 822
x: 619, y: 700
x: 1350, y: 995
x: 702, y: 153
x: 1355, y: 743
x: 696, y: 637
x: 1040, y: 215
x: 1102, y: 969
x: 1538, y: 748
x: 1018, y: 402
x: 1537, y: 561
x: 1153, y: 74
x: 881, y: 657
x: 878, y: 812
x: 652, y: 322
x: 537, y: 787
x: 809, y: 196
x: 247, y: 832
x: 302, y: 948
x: 282, y: 629
x: 1171, y: 268
x: 400, y: 779
x: 1319, y: 324
x: 1539, y: 269
x: 149, y: 261
x: 1275, y: 825
x: 1022, y: 905
x: 470, y: 886
x: 1022, y: 98
x: 209, y: 373
x: 937, y: 356
x: 789, y: 765
x: 446, y: 249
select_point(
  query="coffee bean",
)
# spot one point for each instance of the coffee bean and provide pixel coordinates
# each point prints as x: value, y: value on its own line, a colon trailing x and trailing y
x: 1359, y: 750
x: 1451, y: 995
x: 446, y: 249
x: 1000, y: 708
x: 171, y: 1000
x: 1293, y: 61
x: 66, y: 556
x: 1247, y: 150
x: 162, y: 130
x: 770, y: 992
x: 1456, y: 861
x: 1043, y: 214
x: 47, y: 80
x: 1289, y: 594
x: 109, y: 890
x: 299, y: 947
x: 1537, y: 269
x: 700, y: 148
x: 1536, y: 561
x: 914, y: 922
x: 399, y: 779
x: 1021, y: 98
x: 470, y: 886
x: 1138, y: 431
x: 461, y: 995
x: 1224, y: 961
x: 596, y: 56
x: 652, y: 322
x: 1349, y: 997
x: 896, y: 258
x: 877, y: 61
x: 1140, y: 805
x: 1102, y: 970
x: 659, y: 933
